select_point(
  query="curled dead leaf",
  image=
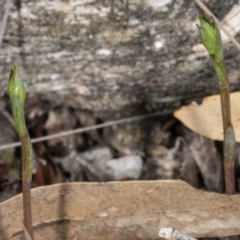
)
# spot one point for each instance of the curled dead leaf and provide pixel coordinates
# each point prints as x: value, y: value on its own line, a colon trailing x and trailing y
x: 206, y: 119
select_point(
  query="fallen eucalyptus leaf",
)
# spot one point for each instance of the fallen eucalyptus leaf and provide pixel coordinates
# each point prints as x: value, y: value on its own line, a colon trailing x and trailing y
x: 122, y: 210
x: 206, y: 119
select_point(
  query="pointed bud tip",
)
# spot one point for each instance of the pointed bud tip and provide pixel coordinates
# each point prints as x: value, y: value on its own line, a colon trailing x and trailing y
x: 208, y: 33
x: 15, y: 85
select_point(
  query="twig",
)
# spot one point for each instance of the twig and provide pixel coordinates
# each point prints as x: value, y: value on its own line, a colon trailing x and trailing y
x: 4, y: 20
x: 208, y: 11
x: 172, y: 234
x: 87, y: 129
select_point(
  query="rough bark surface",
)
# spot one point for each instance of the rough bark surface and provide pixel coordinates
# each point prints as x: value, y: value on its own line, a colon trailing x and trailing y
x: 111, y: 57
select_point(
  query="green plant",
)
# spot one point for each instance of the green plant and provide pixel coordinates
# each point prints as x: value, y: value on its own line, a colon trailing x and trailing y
x: 17, y: 95
x: 211, y: 39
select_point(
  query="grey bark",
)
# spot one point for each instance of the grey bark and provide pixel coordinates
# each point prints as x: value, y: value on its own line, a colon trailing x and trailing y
x: 114, y: 58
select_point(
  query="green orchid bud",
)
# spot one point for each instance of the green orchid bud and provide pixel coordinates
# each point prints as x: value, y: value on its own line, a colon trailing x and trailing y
x: 210, y: 37
x: 18, y: 116
x: 15, y: 86
x: 17, y: 95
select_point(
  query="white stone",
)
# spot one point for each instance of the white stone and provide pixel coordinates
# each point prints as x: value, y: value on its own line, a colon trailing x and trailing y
x: 156, y: 4
x: 158, y: 45
x: 103, y: 214
x: 133, y: 22
x: 103, y: 51
x: 54, y: 76
x: 127, y: 167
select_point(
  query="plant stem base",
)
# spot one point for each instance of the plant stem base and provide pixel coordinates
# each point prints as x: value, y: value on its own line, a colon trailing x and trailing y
x: 229, y: 177
x: 27, y: 208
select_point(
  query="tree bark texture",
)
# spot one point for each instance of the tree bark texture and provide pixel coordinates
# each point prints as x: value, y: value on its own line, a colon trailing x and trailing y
x: 113, y: 57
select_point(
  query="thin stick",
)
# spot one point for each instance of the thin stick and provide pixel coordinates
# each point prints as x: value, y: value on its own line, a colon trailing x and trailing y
x: 4, y: 20
x: 87, y: 129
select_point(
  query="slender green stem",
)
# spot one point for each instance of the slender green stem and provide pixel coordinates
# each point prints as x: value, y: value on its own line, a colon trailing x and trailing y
x: 228, y: 148
x: 17, y: 95
x: 211, y: 39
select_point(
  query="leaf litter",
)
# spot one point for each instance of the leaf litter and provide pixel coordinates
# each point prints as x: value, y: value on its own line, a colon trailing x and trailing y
x: 206, y: 119
x: 168, y: 151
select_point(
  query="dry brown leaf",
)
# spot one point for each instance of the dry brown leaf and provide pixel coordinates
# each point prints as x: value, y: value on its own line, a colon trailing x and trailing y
x: 122, y: 210
x: 206, y: 119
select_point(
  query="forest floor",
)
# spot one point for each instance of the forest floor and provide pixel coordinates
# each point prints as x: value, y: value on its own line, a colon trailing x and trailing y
x: 159, y: 147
